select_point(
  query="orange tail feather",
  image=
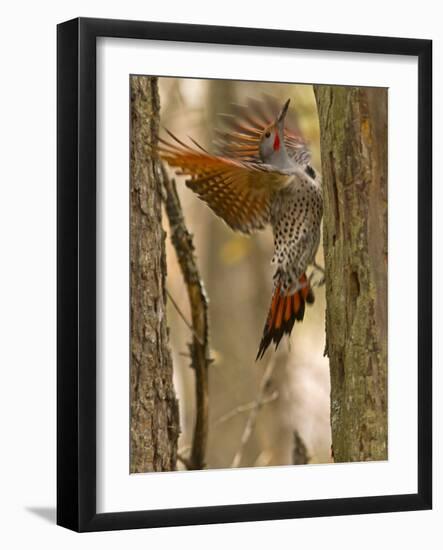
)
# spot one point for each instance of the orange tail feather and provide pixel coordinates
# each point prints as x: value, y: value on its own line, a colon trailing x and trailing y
x: 284, y: 311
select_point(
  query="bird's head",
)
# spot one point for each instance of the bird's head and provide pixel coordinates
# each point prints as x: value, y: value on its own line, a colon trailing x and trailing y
x: 272, y: 146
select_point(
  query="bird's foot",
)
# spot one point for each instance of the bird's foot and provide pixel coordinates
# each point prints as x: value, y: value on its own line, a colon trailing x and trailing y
x: 318, y: 269
x: 316, y: 281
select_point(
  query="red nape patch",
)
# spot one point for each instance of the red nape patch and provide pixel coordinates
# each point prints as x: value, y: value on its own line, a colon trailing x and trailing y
x: 276, y: 142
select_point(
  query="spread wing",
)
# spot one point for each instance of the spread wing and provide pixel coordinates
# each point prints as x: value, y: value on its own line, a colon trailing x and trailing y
x: 242, y: 128
x: 239, y: 192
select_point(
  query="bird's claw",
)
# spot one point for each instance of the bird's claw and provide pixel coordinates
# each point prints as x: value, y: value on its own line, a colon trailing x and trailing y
x: 316, y: 283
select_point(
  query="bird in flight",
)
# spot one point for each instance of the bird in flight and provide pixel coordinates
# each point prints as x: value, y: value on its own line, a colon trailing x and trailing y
x: 260, y: 174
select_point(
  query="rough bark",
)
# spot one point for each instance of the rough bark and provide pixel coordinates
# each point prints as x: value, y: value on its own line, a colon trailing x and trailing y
x: 353, y: 125
x: 154, y: 408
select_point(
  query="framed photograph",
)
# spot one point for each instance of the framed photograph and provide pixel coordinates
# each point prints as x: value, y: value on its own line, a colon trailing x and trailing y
x: 244, y: 274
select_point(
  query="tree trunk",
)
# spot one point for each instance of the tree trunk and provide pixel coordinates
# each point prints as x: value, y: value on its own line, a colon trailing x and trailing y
x: 353, y: 126
x: 154, y: 408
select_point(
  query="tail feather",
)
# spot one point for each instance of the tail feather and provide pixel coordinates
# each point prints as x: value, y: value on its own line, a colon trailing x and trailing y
x: 284, y: 311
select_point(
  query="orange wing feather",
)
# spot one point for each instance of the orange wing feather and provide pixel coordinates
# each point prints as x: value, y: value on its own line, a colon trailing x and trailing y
x: 238, y: 192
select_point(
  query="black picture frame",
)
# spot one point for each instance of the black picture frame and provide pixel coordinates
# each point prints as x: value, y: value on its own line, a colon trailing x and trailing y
x: 76, y: 273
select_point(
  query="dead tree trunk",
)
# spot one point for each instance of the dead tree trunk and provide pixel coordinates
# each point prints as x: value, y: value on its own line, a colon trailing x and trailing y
x: 154, y: 408
x: 353, y: 125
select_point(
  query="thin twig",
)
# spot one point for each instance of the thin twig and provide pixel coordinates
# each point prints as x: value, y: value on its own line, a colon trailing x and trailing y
x: 182, y: 315
x: 184, y: 461
x: 183, y: 450
x: 245, y: 408
x: 199, y: 348
x: 300, y: 453
x: 250, y: 423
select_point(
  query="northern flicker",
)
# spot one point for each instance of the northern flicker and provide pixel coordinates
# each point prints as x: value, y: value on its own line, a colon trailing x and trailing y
x: 261, y: 174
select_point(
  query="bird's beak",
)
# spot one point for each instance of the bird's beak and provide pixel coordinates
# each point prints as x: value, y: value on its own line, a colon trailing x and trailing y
x: 281, y: 116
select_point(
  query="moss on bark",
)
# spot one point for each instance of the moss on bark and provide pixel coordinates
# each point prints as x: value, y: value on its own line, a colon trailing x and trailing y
x: 353, y: 124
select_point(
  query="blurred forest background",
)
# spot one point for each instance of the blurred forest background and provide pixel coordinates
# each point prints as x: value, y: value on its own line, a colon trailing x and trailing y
x: 237, y: 275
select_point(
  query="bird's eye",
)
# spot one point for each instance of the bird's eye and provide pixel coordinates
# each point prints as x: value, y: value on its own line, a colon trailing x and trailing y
x: 267, y: 134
